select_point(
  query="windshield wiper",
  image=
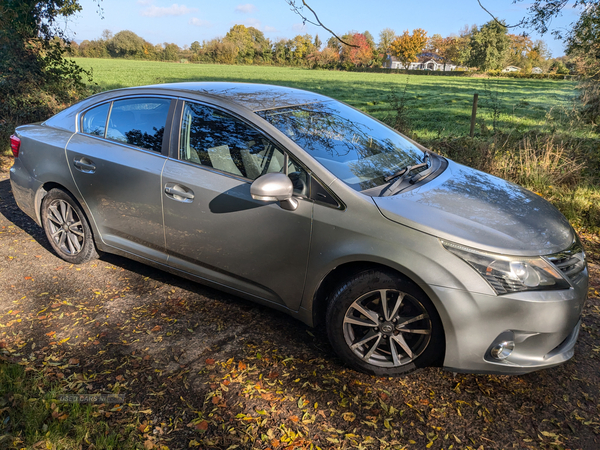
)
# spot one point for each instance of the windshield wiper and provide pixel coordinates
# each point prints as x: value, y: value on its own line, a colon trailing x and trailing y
x: 404, y: 172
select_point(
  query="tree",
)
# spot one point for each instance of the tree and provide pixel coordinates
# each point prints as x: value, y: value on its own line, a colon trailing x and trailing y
x: 370, y: 40
x: 359, y: 53
x: 195, y: 47
x: 541, y: 12
x: 334, y: 43
x: 249, y: 42
x: 170, y: 52
x: 583, y: 45
x: 489, y: 46
x: 126, y: 44
x: 318, y: 42
x: 407, y: 47
x: 386, y: 37
x: 35, y: 78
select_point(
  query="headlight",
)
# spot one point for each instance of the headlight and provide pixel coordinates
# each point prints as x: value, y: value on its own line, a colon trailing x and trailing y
x: 507, y: 274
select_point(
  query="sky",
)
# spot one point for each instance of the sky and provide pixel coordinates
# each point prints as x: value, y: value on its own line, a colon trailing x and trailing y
x: 160, y: 21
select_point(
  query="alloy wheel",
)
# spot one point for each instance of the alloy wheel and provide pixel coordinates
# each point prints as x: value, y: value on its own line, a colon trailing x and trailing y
x: 66, y: 228
x: 387, y: 328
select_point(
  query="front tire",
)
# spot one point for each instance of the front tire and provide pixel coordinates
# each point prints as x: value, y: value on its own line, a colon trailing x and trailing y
x: 382, y: 324
x: 67, y: 228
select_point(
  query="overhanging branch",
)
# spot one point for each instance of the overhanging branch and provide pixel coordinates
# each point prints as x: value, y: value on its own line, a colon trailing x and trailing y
x: 318, y: 23
x: 499, y: 22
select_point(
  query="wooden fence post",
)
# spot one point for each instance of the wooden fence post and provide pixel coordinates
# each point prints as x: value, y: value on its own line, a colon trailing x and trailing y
x: 474, y: 114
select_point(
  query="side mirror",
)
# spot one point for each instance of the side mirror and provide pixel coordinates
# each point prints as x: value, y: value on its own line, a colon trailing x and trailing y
x: 274, y: 187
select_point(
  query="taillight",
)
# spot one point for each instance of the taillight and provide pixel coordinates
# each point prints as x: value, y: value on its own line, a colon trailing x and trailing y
x: 15, y: 145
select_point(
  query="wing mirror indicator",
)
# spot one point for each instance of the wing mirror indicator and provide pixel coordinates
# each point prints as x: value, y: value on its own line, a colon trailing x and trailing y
x: 274, y: 187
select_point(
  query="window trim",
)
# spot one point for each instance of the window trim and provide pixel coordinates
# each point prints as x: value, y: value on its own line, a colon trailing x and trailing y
x: 168, y: 123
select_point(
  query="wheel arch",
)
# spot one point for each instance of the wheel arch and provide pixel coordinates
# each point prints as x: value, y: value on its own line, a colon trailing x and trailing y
x: 346, y: 270
x: 47, y: 187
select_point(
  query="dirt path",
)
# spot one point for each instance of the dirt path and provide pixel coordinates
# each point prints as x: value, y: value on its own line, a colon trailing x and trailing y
x: 204, y: 369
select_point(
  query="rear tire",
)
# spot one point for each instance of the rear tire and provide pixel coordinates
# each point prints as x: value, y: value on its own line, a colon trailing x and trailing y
x: 382, y: 324
x: 67, y: 228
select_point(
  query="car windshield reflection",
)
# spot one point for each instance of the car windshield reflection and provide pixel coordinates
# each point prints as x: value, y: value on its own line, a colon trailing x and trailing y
x: 356, y: 148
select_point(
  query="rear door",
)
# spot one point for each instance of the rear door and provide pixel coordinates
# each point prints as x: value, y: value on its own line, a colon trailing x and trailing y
x: 214, y: 229
x: 116, y: 160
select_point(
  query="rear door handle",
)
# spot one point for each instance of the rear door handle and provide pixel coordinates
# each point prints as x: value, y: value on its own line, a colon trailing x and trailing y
x: 179, y: 193
x: 84, y: 165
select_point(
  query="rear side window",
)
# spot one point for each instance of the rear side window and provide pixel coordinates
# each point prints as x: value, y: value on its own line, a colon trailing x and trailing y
x: 94, y: 120
x: 139, y: 121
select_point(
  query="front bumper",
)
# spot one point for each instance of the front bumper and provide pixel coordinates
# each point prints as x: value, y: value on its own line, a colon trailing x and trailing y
x: 544, y: 325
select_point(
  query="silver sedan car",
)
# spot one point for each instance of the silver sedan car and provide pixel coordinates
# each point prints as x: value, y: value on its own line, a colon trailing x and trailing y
x: 297, y: 201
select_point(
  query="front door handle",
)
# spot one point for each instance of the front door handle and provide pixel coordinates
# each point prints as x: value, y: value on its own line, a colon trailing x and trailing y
x: 85, y: 165
x: 178, y: 192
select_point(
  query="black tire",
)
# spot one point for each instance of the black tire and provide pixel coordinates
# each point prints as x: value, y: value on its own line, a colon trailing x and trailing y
x: 390, y: 346
x: 67, y: 228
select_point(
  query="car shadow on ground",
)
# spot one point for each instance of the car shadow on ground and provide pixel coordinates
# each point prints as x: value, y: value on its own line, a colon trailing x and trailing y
x: 142, y: 276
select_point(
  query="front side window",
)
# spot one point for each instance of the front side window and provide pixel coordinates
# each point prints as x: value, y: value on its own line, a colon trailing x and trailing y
x: 216, y: 139
x: 94, y: 120
x: 139, y: 121
x: 356, y: 148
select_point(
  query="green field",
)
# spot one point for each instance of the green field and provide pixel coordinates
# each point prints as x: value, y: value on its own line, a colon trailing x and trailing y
x: 438, y: 106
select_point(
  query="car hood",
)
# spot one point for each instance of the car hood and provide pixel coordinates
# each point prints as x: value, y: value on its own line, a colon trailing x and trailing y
x: 479, y: 210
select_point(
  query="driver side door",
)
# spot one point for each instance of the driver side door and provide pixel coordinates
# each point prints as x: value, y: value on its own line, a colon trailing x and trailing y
x: 214, y: 228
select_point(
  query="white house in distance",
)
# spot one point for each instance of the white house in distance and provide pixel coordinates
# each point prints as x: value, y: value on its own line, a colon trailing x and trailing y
x: 425, y: 61
x: 511, y: 69
x: 537, y: 70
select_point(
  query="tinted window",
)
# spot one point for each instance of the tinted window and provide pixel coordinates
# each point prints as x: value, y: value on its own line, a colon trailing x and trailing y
x: 353, y: 146
x: 215, y: 139
x: 94, y: 120
x: 139, y: 121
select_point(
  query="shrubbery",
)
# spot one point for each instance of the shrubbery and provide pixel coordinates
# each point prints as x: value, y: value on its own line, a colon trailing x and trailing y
x: 35, y: 80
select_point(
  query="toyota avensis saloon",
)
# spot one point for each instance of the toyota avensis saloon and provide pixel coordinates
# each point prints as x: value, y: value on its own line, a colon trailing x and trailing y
x: 305, y: 204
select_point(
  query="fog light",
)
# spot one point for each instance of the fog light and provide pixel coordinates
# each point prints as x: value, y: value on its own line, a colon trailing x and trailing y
x: 502, y: 350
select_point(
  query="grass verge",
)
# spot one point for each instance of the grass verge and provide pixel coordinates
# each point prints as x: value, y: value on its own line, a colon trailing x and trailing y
x: 31, y: 415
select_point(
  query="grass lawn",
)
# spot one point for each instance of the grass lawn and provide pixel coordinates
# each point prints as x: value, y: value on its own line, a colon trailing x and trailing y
x: 438, y: 106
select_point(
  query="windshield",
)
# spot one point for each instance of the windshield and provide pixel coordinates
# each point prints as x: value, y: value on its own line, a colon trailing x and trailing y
x: 356, y: 148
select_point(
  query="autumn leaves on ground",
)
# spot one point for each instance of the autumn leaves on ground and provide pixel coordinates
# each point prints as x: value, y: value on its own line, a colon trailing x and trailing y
x: 198, y: 368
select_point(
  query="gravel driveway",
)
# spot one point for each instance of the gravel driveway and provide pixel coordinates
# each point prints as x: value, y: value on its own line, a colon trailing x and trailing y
x: 205, y: 369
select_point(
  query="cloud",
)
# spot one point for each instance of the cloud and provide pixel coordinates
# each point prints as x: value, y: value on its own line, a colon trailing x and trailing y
x: 247, y: 8
x: 269, y: 29
x: 199, y: 22
x: 173, y: 10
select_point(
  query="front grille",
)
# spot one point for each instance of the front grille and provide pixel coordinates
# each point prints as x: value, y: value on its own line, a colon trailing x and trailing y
x: 571, y: 262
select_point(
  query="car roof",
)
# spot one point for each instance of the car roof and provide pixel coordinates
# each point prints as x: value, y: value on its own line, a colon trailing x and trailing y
x: 255, y: 97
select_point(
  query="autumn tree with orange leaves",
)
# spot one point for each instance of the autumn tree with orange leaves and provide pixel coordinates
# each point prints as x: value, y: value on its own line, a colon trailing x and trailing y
x: 408, y: 46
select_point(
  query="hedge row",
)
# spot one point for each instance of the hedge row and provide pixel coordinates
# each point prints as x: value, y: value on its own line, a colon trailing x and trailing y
x: 464, y: 73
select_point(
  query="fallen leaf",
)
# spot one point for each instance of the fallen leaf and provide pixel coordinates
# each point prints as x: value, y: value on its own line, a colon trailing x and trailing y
x: 202, y: 425
x: 349, y: 416
x: 210, y: 361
